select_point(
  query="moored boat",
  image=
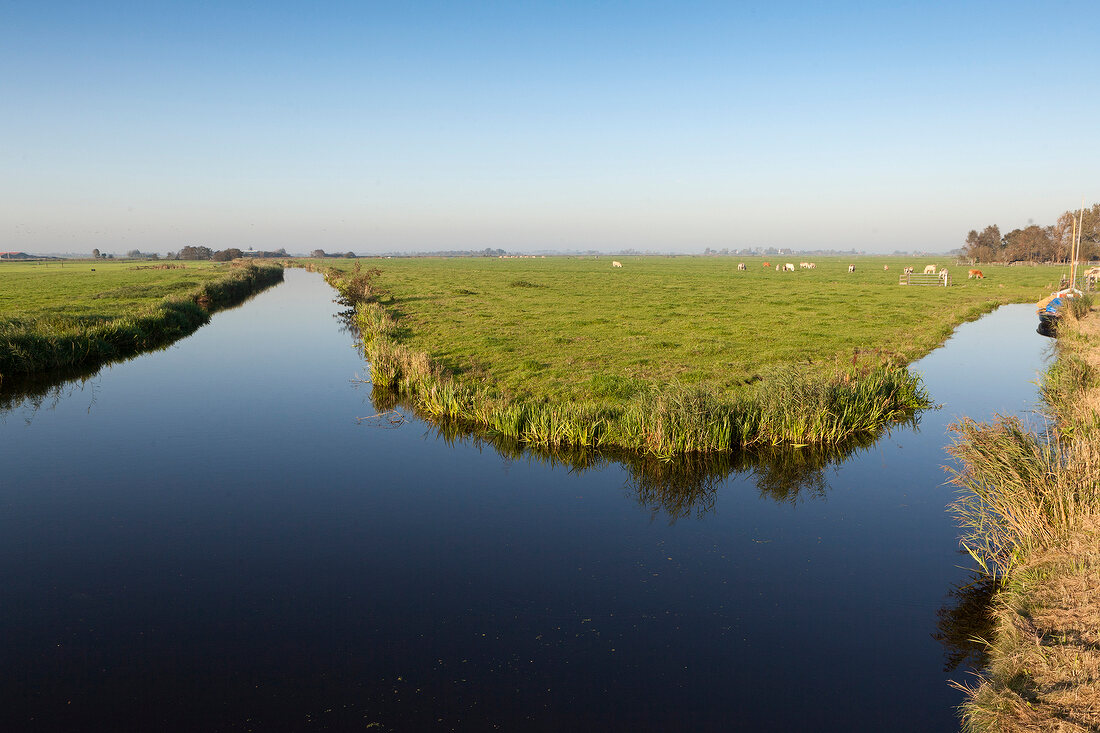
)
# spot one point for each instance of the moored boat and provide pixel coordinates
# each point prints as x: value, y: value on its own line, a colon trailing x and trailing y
x: 1050, y: 309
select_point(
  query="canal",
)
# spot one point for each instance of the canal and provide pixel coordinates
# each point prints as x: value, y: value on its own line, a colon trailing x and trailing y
x: 223, y: 536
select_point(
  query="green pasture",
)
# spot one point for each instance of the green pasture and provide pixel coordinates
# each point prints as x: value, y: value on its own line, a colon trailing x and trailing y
x: 93, y: 291
x: 78, y: 313
x: 576, y: 328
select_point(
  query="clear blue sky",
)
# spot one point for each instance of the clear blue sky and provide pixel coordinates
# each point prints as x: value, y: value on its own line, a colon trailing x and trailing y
x: 423, y: 126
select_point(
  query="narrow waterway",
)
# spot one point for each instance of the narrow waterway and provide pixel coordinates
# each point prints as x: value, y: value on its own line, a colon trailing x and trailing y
x: 210, y: 538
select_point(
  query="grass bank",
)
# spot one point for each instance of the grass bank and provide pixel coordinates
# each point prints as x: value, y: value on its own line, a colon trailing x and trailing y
x: 1030, y: 514
x: 792, y: 405
x: 578, y: 329
x: 73, y: 314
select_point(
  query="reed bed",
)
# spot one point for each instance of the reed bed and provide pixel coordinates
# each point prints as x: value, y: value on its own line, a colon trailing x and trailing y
x: 793, y: 407
x: 31, y: 344
x: 1029, y: 509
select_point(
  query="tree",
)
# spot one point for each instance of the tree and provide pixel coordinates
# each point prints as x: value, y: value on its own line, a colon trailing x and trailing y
x: 225, y: 255
x: 1033, y: 244
x: 134, y: 254
x: 984, y: 247
x: 349, y: 255
x: 95, y: 254
x: 195, y: 253
x: 319, y: 253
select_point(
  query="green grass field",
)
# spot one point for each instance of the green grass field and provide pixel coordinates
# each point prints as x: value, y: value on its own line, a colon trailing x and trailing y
x: 665, y: 356
x: 61, y: 314
x: 94, y: 290
x: 578, y: 328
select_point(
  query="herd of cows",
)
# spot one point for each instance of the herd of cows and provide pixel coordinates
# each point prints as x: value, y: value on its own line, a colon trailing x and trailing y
x: 789, y: 267
x: 928, y: 270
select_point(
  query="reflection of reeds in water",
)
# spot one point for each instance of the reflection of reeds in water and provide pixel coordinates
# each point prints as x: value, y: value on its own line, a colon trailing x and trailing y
x: 44, y: 390
x: 678, y: 487
x: 965, y: 623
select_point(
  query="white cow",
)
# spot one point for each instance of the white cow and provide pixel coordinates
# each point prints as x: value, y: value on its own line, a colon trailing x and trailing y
x: 789, y: 267
x: 885, y: 268
x: 930, y: 270
x: 813, y: 266
x: 616, y: 264
x: 908, y: 270
x: 804, y: 265
x: 851, y: 268
x: 740, y: 265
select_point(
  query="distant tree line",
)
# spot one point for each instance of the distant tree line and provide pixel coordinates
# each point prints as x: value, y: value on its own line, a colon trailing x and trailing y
x: 320, y: 253
x: 222, y: 255
x: 1036, y: 243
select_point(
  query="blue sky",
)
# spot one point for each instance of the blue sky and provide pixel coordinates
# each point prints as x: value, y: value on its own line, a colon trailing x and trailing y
x: 529, y: 126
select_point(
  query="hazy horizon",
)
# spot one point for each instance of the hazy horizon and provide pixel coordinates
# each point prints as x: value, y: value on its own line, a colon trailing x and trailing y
x: 434, y: 126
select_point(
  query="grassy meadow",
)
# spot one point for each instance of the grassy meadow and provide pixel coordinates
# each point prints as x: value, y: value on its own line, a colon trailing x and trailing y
x: 73, y: 312
x: 576, y: 327
x: 665, y: 355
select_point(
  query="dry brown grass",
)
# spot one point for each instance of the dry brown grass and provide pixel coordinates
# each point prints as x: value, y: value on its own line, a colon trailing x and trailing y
x: 1045, y: 670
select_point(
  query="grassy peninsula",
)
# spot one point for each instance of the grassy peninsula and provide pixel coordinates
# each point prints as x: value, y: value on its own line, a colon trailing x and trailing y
x: 663, y: 355
x: 1030, y: 511
x: 74, y: 313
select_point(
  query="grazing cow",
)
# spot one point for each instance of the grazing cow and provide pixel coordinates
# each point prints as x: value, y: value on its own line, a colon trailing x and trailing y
x: 851, y: 268
x: 777, y: 268
x: 767, y: 264
x: 975, y: 273
x: 908, y: 270
x: 943, y: 272
x: 789, y: 267
x: 616, y: 264
x: 885, y: 268
x: 813, y: 266
x: 804, y: 265
x: 740, y: 265
x: 930, y: 270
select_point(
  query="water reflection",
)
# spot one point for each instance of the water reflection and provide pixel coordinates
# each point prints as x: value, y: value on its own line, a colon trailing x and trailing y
x: 676, y: 488
x: 964, y: 623
x: 34, y: 392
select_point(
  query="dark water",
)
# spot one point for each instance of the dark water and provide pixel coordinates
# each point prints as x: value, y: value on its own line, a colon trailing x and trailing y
x: 206, y: 539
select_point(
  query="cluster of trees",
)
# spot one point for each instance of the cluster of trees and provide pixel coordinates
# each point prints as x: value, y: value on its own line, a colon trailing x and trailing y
x: 320, y: 253
x: 1035, y: 243
x: 221, y: 255
x: 97, y: 255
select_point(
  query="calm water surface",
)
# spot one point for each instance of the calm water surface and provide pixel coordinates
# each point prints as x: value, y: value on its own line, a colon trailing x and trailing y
x: 206, y: 538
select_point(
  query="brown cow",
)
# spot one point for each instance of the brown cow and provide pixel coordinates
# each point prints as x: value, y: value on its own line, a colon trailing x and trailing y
x: 975, y: 273
x: 767, y: 264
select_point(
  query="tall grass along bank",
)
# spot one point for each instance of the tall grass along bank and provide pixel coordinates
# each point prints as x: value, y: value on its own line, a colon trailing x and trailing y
x: 1030, y: 516
x: 792, y: 406
x: 64, y: 335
